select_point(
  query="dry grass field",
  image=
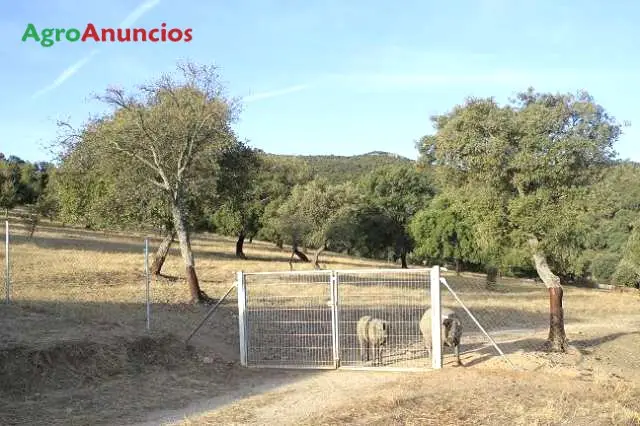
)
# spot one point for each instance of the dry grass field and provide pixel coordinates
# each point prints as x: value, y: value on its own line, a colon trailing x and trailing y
x: 74, y: 349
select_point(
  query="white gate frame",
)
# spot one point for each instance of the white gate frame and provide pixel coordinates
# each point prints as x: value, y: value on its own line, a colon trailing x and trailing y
x: 435, y: 302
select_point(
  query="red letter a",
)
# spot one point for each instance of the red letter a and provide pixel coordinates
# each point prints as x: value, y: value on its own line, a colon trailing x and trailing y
x: 90, y: 31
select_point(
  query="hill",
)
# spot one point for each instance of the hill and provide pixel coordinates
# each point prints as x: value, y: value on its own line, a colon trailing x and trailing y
x: 339, y: 168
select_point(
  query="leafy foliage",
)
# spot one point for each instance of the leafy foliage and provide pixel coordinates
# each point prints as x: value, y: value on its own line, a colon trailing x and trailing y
x: 489, y: 181
x: 339, y: 169
x: 443, y: 232
x: 315, y: 213
x: 524, y: 169
x: 24, y: 183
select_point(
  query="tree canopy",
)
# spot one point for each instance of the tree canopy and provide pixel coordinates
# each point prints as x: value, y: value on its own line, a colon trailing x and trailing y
x: 529, y: 187
x: 524, y: 170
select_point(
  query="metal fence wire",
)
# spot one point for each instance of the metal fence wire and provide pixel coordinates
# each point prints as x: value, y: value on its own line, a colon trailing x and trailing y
x: 512, y: 311
x: 398, y: 297
x: 60, y: 285
x: 288, y: 319
x: 308, y: 319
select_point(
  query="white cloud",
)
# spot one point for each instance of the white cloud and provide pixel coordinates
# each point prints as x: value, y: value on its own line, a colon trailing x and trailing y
x: 275, y: 93
x: 66, y: 74
x: 137, y: 13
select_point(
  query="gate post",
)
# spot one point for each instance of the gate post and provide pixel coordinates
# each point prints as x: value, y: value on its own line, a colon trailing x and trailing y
x: 335, y: 332
x: 242, y: 316
x: 436, y: 338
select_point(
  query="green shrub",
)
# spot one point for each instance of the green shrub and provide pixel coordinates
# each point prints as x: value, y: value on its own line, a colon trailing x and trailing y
x: 604, y: 265
x: 626, y: 274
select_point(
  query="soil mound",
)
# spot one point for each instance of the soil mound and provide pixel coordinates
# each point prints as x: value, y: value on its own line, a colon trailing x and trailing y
x: 25, y: 370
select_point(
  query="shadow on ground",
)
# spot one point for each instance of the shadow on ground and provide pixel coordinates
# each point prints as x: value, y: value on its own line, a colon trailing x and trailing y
x: 94, y: 363
x: 95, y: 241
x: 483, y: 351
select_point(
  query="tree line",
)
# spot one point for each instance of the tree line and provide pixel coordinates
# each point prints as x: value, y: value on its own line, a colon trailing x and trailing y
x: 530, y: 188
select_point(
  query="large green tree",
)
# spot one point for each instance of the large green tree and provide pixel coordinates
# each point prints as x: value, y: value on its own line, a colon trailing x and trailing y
x: 443, y: 233
x: 95, y: 190
x: 314, y: 215
x: 277, y: 176
x: 627, y: 272
x: 172, y: 131
x: 614, y: 207
x: 393, y: 194
x: 524, y: 169
x: 9, y: 186
x: 240, y: 203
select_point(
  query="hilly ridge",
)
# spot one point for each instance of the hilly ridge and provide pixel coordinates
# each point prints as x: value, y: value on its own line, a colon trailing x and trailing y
x: 342, y: 168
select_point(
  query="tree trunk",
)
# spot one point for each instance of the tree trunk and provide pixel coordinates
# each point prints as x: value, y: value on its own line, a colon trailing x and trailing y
x: 296, y: 252
x: 240, y: 245
x: 316, y: 265
x: 458, y: 266
x: 197, y: 295
x: 403, y: 259
x: 279, y: 243
x: 300, y: 254
x: 492, y: 277
x: 557, y: 340
x: 250, y: 238
x: 33, y: 225
x: 161, y: 254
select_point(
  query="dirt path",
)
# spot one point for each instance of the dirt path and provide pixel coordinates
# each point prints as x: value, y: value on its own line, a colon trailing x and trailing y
x: 452, y: 396
x: 260, y: 401
x: 606, y: 353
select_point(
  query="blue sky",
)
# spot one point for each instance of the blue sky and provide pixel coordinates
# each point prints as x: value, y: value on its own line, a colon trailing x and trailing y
x: 326, y: 77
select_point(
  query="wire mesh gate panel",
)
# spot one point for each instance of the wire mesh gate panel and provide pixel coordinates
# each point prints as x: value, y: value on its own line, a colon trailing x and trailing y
x: 287, y: 319
x: 399, y: 297
x: 308, y: 319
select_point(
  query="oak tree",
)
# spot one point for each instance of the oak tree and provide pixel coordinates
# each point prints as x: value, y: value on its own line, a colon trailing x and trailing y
x: 524, y: 169
x: 172, y: 132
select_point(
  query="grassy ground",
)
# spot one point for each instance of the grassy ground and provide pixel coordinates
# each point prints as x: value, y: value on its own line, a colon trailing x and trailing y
x: 74, y: 349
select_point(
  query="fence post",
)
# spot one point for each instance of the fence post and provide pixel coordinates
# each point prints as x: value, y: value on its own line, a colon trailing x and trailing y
x: 7, y: 271
x: 333, y: 280
x: 146, y: 277
x: 242, y: 316
x: 436, y: 338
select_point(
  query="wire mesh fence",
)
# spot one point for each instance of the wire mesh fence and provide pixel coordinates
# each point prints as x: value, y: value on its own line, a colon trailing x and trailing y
x: 63, y: 284
x: 514, y: 313
x: 398, y: 297
x: 288, y: 319
x: 291, y: 318
x: 311, y: 319
x: 70, y: 282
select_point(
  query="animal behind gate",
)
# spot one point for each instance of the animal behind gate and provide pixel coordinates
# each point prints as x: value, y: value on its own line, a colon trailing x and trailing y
x: 450, y: 330
x: 374, y: 333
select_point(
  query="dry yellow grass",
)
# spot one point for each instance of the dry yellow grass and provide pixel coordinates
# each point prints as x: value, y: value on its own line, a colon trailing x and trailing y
x: 449, y: 397
x: 75, y: 349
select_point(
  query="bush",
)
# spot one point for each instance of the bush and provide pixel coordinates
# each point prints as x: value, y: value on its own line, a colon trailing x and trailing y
x: 626, y: 275
x: 604, y: 265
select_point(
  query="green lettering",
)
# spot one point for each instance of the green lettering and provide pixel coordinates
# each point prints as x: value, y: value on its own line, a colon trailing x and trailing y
x: 47, y: 41
x: 72, y: 34
x: 31, y: 32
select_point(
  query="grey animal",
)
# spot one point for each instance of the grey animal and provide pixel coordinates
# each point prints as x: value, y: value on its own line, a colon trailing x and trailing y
x: 372, y: 332
x: 450, y: 329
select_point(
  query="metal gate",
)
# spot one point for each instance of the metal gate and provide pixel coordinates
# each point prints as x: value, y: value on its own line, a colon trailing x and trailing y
x: 308, y: 319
